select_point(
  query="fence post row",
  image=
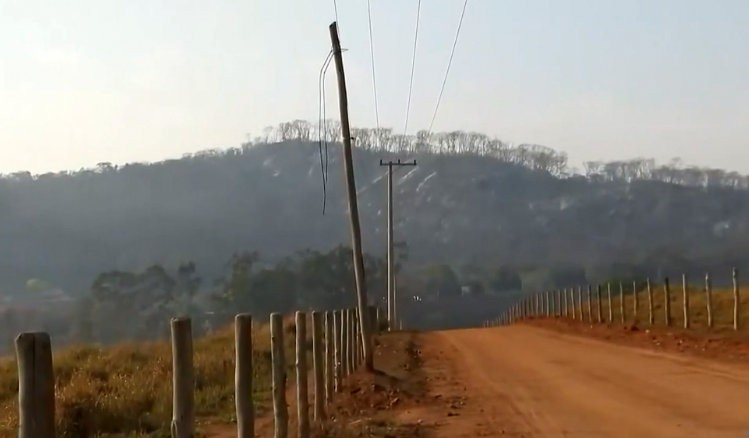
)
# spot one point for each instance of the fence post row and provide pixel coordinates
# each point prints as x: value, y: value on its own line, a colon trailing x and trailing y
x: 333, y: 343
x: 557, y: 304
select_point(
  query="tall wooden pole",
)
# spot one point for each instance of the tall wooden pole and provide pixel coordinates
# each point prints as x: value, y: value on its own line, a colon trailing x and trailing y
x: 391, y: 263
x: 393, y: 316
x: 348, y: 165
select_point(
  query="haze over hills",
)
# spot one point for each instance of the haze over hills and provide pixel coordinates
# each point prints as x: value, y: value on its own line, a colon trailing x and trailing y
x: 471, y: 200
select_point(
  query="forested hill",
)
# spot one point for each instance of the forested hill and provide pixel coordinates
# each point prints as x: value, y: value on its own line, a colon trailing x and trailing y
x: 471, y: 200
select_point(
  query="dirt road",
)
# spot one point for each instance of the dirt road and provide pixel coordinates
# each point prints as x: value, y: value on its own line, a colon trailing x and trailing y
x: 526, y: 381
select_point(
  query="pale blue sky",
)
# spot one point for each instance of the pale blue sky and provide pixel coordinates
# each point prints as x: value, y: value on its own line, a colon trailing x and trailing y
x: 142, y: 80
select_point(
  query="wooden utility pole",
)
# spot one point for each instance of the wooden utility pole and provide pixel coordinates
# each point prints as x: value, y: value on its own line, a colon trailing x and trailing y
x: 348, y: 166
x: 391, y: 299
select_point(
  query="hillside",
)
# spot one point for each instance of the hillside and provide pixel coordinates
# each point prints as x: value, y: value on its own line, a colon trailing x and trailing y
x: 465, y: 204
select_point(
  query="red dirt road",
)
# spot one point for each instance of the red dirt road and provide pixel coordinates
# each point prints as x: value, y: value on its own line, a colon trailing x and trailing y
x: 526, y: 381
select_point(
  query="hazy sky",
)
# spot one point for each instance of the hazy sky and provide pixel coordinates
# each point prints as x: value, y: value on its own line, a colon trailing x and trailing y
x: 142, y: 80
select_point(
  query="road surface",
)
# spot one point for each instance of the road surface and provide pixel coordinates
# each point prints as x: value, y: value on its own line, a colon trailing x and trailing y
x: 526, y: 381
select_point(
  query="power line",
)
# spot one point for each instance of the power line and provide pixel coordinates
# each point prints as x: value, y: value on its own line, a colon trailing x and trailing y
x: 335, y: 10
x: 374, y: 78
x: 449, y: 63
x: 413, y: 66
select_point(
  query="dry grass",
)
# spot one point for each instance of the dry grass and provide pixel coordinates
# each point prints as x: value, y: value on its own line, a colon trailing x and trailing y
x: 721, y: 299
x: 126, y: 390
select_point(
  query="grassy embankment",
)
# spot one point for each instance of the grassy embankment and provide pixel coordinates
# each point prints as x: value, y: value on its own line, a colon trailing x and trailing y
x: 721, y: 300
x: 126, y: 389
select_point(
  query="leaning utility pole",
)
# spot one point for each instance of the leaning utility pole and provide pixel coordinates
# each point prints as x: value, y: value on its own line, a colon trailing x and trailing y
x: 392, y: 300
x: 348, y: 166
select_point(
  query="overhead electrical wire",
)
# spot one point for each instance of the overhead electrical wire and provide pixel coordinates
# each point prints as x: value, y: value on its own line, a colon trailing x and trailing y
x: 449, y: 63
x: 413, y: 66
x: 335, y: 10
x: 374, y: 78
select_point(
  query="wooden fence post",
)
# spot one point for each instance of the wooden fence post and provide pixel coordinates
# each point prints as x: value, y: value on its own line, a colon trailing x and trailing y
x: 636, y: 302
x: 580, y: 302
x: 352, y: 339
x: 566, y: 303
x: 598, y: 303
x: 611, y: 306
x: 590, y: 305
x: 329, y: 360
x: 280, y: 409
x: 317, y: 364
x: 667, y: 301
x: 302, y: 398
x: 708, y: 300
x: 380, y: 319
x: 359, y: 345
x: 243, y: 376
x: 36, y: 386
x: 359, y: 350
x: 651, y: 318
x: 373, y: 319
x: 572, y: 303
x: 736, y: 303
x: 338, y: 344
x: 183, y: 379
x: 354, y: 351
x: 547, y: 306
x: 345, y: 333
x: 685, y: 300
x: 622, y: 309
x: 355, y: 340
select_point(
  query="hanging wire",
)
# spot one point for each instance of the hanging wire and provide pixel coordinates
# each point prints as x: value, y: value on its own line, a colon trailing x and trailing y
x: 322, y: 129
x: 413, y: 66
x: 449, y: 63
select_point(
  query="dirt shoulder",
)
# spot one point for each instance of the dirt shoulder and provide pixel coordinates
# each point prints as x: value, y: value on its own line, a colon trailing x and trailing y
x: 383, y: 404
x: 717, y: 344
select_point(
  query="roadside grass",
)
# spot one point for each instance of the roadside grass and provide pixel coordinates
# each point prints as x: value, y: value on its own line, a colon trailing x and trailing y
x: 126, y: 389
x: 721, y: 301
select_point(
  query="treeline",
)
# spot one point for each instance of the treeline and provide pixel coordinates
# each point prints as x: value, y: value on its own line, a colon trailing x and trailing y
x: 138, y: 305
x: 530, y: 156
